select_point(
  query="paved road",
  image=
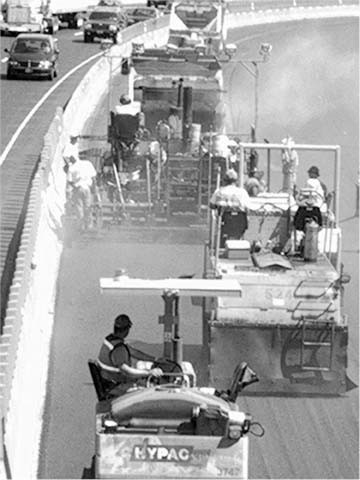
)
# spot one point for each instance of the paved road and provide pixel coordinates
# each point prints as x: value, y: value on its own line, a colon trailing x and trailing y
x: 305, y: 438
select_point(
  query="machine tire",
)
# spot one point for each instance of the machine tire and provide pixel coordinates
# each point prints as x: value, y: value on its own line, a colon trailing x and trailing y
x: 51, y: 75
x: 9, y: 74
x: 115, y: 40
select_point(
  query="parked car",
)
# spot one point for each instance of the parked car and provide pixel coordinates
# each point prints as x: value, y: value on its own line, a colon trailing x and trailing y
x: 33, y: 54
x: 140, y: 14
x: 104, y: 22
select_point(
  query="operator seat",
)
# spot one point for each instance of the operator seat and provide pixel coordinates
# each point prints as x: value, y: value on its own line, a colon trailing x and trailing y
x: 124, y: 127
x: 233, y: 226
x: 102, y: 387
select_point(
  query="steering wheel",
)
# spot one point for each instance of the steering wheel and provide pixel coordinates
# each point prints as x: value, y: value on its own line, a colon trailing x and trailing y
x: 171, y: 369
x: 180, y: 380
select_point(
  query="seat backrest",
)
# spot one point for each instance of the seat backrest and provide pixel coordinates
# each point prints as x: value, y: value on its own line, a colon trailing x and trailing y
x: 125, y: 126
x: 233, y: 226
x: 97, y: 379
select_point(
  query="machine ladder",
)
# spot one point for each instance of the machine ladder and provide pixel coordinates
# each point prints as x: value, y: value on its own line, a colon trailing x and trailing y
x: 182, y: 184
x: 325, y: 339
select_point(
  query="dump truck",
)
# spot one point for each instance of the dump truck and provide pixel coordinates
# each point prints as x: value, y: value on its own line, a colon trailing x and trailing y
x: 193, y: 21
x: 170, y: 427
x: 20, y: 16
x: 289, y: 321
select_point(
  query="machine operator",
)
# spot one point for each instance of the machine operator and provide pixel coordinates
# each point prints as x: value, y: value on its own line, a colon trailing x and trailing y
x: 232, y: 202
x: 310, y: 200
x: 115, y: 358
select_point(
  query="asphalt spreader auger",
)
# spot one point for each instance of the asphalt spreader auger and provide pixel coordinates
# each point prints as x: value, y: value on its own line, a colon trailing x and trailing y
x: 170, y: 427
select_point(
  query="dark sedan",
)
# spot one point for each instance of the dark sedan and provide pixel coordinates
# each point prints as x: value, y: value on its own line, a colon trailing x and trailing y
x: 33, y: 55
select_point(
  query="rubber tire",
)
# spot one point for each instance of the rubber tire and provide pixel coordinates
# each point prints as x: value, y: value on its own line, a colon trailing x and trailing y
x: 115, y: 41
x: 51, y: 75
x: 9, y: 75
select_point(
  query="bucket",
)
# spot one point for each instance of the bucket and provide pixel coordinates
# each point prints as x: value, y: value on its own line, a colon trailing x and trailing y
x: 195, y: 132
x: 220, y: 146
x: 311, y: 241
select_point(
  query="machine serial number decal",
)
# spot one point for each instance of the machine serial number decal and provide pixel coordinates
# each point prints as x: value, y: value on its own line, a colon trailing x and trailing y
x: 229, y: 472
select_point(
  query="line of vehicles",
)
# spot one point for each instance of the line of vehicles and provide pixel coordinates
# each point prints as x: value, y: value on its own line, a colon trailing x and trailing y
x: 163, y: 157
x: 47, y: 16
x: 35, y: 52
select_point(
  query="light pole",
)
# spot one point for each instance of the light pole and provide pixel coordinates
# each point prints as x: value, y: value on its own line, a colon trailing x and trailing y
x: 252, y: 67
x: 106, y: 45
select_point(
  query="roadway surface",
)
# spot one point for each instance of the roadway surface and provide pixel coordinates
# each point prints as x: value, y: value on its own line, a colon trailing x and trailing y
x: 304, y: 91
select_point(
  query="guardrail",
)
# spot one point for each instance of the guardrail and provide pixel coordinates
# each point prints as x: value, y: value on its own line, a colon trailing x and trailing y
x: 43, y: 214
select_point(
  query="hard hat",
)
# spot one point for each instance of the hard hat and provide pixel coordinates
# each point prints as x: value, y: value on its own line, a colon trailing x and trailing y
x: 122, y: 321
x: 125, y: 99
x: 230, y: 175
x: 314, y: 170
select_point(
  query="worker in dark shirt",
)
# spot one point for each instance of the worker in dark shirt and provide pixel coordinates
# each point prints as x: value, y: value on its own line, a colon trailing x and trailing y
x: 115, y: 358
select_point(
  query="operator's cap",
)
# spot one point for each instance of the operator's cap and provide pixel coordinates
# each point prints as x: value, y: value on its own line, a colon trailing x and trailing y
x: 314, y: 170
x: 122, y: 321
x: 230, y: 175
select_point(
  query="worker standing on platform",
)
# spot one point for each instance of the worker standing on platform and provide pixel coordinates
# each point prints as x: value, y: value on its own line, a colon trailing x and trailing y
x: 175, y: 122
x: 290, y: 162
x: 314, y: 173
x: 255, y: 183
x: 310, y: 200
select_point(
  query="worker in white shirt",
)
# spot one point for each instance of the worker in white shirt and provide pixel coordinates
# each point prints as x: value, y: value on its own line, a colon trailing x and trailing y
x: 232, y: 203
x: 80, y: 184
x: 310, y: 199
x: 175, y: 122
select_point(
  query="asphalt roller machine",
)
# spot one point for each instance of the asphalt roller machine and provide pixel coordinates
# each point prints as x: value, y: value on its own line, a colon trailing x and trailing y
x: 288, y: 322
x: 173, y: 428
